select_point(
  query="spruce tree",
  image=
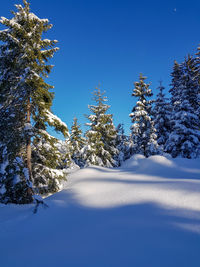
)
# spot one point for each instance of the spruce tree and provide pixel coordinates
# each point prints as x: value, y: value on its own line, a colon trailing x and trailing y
x: 100, y: 149
x: 25, y: 100
x: 77, y: 143
x: 143, y: 130
x: 176, y: 84
x: 198, y: 77
x: 184, y: 139
x: 191, y: 81
x: 161, y: 117
x: 198, y: 61
x: 122, y: 144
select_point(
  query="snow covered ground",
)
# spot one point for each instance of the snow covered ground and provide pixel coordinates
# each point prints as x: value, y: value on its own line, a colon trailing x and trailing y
x: 146, y: 213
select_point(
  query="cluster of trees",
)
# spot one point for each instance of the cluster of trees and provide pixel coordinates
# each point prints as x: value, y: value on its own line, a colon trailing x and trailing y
x: 169, y: 125
x: 32, y: 162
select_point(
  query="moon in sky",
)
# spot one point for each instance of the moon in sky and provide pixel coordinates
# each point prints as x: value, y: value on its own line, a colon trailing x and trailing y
x: 174, y: 9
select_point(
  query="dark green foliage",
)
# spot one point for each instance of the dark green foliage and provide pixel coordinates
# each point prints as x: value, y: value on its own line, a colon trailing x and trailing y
x: 25, y: 102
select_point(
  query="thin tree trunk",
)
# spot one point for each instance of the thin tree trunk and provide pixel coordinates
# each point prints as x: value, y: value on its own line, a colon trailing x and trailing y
x: 28, y: 144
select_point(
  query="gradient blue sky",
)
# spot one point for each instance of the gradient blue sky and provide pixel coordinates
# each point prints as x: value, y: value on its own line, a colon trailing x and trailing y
x: 109, y: 43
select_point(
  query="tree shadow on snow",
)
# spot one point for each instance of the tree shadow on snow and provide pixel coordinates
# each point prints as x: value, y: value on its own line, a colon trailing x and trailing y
x: 69, y: 233
x: 143, y: 234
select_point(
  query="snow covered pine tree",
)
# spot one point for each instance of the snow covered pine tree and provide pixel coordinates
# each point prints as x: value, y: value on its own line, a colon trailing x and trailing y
x: 161, y: 117
x: 143, y: 131
x: 122, y: 144
x: 77, y: 142
x: 184, y: 139
x: 101, y: 148
x: 198, y: 77
x: 198, y: 61
x: 25, y: 101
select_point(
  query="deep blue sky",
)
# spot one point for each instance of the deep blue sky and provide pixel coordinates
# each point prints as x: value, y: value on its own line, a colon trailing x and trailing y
x: 110, y: 42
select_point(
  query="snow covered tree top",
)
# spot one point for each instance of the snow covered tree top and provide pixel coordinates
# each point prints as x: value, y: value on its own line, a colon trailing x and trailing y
x: 100, y: 99
x: 141, y: 88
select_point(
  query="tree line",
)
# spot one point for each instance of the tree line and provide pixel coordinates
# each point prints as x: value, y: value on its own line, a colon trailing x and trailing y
x: 33, y: 162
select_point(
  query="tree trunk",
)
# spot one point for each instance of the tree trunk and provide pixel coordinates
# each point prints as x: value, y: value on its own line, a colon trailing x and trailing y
x: 28, y: 142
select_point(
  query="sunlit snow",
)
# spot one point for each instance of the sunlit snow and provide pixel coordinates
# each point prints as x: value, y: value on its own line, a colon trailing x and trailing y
x: 145, y: 213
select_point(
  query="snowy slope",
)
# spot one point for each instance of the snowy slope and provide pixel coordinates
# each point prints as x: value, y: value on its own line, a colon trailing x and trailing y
x: 146, y: 213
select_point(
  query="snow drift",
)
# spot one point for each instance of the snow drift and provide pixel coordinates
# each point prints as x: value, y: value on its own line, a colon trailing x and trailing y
x: 146, y: 213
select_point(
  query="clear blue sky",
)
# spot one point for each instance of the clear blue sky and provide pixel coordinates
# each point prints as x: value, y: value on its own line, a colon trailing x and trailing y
x: 110, y: 42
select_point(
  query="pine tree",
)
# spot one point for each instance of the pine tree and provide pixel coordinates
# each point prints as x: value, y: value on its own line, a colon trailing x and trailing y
x: 77, y: 143
x: 161, y: 117
x: 25, y: 100
x: 100, y: 149
x: 198, y: 61
x: 191, y: 80
x: 176, y: 84
x: 184, y: 139
x: 122, y: 144
x: 143, y: 131
x: 198, y: 77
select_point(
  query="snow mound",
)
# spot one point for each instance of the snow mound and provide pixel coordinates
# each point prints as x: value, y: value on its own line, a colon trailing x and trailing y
x: 155, y: 179
x: 138, y: 159
x: 133, y: 161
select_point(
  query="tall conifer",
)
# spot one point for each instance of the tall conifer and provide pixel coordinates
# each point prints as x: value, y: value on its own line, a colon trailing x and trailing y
x: 143, y: 131
x: 122, y: 144
x: 184, y: 138
x: 198, y: 77
x: 77, y: 143
x: 25, y: 100
x: 101, y: 137
x: 161, y: 117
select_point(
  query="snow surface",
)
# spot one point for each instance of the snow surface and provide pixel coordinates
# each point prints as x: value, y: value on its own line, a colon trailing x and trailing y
x: 145, y: 213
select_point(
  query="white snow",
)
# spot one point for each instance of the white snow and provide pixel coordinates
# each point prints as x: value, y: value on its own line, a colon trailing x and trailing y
x: 54, y: 119
x: 32, y: 16
x: 143, y: 214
